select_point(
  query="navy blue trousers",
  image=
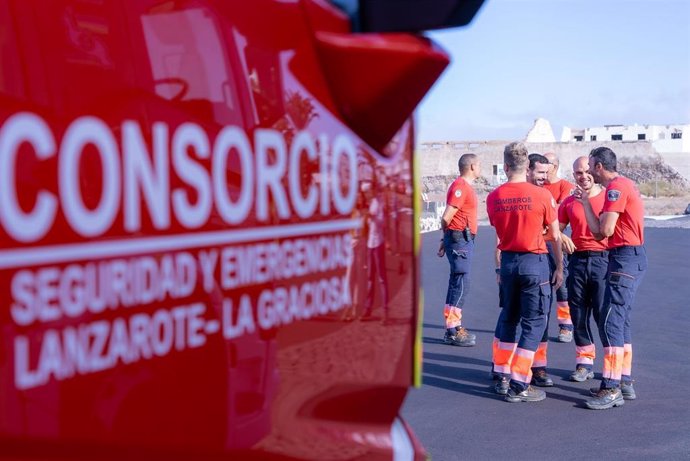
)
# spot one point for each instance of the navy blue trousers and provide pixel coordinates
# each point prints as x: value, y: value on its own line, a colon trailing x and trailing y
x: 587, y: 272
x: 627, y: 266
x: 525, y: 295
x: 459, y: 252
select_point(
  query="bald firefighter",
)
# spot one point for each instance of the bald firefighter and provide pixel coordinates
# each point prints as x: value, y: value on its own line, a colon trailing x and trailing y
x: 587, y: 267
x: 459, y: 225
x: 560, y: 189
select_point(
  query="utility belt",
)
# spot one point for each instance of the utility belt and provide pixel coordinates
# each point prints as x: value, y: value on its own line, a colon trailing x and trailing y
x: 456, y: 235
x: 628, y: 250
x: 591, y: 253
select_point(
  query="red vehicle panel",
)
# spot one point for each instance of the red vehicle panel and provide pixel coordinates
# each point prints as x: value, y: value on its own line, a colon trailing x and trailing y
x: 198, y: 201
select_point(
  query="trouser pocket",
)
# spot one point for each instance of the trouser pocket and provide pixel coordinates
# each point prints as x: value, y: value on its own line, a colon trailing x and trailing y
x: 544, y: 297
x: 460, y: 262
x: 621, y: 286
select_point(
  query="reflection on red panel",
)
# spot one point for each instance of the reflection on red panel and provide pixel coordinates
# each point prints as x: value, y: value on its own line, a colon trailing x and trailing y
x: 198, y: 254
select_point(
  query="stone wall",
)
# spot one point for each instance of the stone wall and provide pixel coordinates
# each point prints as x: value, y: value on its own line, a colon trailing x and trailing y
x: 441, y: 158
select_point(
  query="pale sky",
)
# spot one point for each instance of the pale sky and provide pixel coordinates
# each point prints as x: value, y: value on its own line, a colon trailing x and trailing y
x: 577, y: 63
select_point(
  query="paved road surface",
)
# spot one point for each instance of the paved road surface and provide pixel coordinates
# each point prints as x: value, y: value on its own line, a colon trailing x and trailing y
x: 457, y: 416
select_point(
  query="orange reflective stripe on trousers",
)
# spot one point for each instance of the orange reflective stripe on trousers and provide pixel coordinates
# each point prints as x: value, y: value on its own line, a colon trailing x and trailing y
x: 521, y: 367
x: 584, y: 355
x: 453, y: 316
x: 627, y: 360
x: 540, y: 355
x: 563, y: 313
x: 503, y: 357
x: 613, y: 363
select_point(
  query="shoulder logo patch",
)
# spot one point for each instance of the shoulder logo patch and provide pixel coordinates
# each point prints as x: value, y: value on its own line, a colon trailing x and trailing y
x: 613, y: 195
x: 458, y: 193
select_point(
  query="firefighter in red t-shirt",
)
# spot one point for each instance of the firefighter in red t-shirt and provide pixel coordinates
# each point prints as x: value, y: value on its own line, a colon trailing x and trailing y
x: 520, y: 211
x: 459, y: 224
x: 587, y: 267
x: 536, y: 174
x: 560, y: 189
x: 622, y: 221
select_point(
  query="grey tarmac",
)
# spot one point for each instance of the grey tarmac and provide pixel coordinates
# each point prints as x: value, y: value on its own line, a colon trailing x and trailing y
x: 457, y: 416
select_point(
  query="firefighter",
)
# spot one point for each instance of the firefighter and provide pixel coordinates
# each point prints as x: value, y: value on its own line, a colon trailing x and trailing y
x: 536, y: 174
x: 622, y: 222
x: 519, y: 211
x: 587, y: 267
x: 560, y: 189
x: 459, y: 225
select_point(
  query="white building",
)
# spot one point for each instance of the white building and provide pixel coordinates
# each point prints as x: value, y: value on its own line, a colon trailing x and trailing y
x: 498, y: 175
x: 540, y: 132
x: 664, y: 138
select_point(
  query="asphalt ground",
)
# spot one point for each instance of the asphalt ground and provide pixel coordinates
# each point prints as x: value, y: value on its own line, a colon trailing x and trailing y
x: 457, y: 416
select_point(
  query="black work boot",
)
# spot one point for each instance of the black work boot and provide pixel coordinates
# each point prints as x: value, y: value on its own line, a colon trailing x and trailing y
x: 464, y: 333
x: 628, y: 390
x: 542, y: 379
x: 528, y: 395
x: 460, y: 338
x: 502, y: 385
x: 565, y: 335
x: 581, y: 374
x: 605, y: 399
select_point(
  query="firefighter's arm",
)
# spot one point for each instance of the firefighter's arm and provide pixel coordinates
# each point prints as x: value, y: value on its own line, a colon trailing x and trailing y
x: 441, y: 249
x: 548, y: 235
x: 557, y: 279
x: 567, y: 242
x: 497, y: 259
x: 607, y: 223
x: 447, y: 217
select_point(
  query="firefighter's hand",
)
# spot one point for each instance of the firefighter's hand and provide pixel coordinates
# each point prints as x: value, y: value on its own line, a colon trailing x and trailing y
x: 568, y: 245
x: 580, y: 195
x: 441, y: 251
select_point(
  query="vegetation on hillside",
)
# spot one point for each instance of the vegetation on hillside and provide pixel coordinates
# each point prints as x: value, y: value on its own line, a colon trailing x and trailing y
x: 654, y: 177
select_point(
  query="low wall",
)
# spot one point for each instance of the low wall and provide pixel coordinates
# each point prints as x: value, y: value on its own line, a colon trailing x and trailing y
x: 441, y: 158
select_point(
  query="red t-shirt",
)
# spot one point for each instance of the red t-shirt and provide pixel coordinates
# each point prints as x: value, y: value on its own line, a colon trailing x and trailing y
x: 461, y: 195
x: 519, y: 212
x: 572, y: 212
x: 622, y: 196
x: 560, y: 190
